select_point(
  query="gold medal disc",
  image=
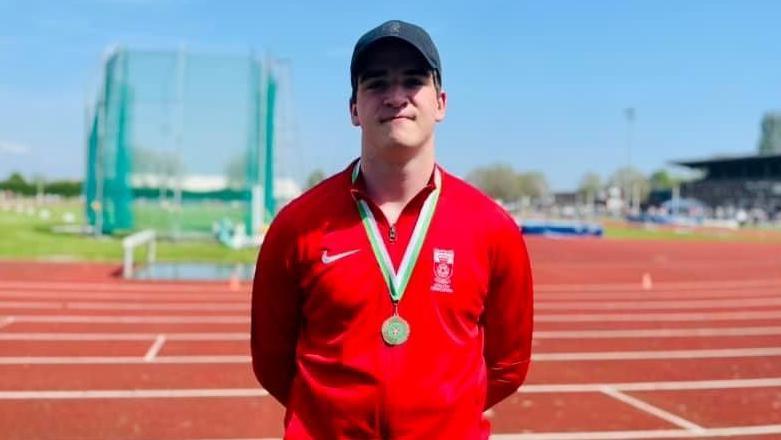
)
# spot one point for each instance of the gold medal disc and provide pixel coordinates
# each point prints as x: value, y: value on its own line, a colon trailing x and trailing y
x: 395, y: 330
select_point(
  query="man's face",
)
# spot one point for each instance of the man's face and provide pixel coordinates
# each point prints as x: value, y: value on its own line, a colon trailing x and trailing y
x: 397, y: 103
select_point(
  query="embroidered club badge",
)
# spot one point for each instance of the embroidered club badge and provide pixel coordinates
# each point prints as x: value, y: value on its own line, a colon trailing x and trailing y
x: 443, y: 270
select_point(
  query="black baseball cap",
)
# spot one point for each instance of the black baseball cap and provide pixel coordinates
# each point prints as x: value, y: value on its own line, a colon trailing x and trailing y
x: 412, y: 34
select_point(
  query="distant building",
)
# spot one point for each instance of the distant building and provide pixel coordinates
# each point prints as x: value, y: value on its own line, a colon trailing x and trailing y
x: 566, y: 198
x: 739, y: 183
x: 743, y: 182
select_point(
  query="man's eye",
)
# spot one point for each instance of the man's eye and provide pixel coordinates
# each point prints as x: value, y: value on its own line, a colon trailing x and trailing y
x: 375, y: 85
x: 413, y: 82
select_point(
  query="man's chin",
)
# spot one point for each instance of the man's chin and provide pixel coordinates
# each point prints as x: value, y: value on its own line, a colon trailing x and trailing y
x: 401, y: 145
x: 401, y: 140
x: 395, y: 141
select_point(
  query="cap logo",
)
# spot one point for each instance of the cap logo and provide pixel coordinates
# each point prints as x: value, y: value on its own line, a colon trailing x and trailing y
x: 394, y: 27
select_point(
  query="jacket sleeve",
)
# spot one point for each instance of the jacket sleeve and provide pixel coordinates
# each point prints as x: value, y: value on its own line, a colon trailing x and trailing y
x: 508, y: 314
x: 276, y: 312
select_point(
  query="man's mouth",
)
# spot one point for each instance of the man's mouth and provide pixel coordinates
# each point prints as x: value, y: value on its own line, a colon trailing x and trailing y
x: 393, y: 118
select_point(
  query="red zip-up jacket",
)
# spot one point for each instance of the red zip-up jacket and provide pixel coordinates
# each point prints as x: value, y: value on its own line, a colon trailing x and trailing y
x: 319, y: 301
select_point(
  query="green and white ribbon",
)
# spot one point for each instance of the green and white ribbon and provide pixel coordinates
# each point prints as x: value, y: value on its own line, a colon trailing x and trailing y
x: 397, y: 282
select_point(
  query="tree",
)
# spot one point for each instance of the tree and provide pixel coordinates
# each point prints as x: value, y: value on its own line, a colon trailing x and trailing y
x: 631, y: 180
x: 499, y: 181
x: 17, y: 184
x: 16, y: 179
x: 589, y: 187
x: 315, y: 177
x: 590, y: 184
x: 662, y: 180
x: 770, y: 139
x: 65, y: 188
x: 532, y: 184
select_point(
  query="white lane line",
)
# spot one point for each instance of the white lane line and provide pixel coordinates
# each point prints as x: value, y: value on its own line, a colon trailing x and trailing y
x: 651, y: 305
x: 526, y: 389
x: 122, y: 286
x: 653, y: 410
x: 222, y: 359
x: 650, y: 296
x: 155, y: 348
x: 655, y: 295
x: 539, y: 334
x: 208, y: 336
x: 51, y: 305
x: 659, y: 317
x: 151, y: 319
x: 539, y: 305
x: 218, y: 336
x: 133, y: 394
x: 122, y: 360
x: 730, y: 431
x: 6, y: 321
x: 48, y: 305
x: 222, y: 287
x: 235, y: 438
x: 659, y: 354
x: 657, y: 333
x: 666, y: 285
x: 678, y: 385
x: 543, y: 357
x: 245, y: 306
x: 158, y: 296
x: 574, y: 317
x: 222, y: 307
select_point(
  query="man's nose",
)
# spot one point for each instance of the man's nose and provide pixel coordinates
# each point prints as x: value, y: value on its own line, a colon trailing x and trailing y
x: 396, y: 96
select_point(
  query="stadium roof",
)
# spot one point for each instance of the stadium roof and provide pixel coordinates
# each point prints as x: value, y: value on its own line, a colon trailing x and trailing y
x: 729, y: 160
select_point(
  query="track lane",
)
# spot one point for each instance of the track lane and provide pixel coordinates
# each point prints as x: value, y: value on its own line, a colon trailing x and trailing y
x: 141, y: 419
x: 740, y: 406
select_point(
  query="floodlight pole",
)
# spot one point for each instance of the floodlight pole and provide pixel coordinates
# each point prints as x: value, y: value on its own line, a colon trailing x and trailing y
x: 181, y: 66
x: 629, y: 113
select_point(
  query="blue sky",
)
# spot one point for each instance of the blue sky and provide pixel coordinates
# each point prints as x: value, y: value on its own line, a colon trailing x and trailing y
x: 539, y: 85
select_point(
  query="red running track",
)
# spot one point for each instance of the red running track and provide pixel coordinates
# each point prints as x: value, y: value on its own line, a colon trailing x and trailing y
x: 694, y: 351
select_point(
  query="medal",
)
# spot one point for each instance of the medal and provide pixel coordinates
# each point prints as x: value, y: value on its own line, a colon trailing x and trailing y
x: 395, y: 330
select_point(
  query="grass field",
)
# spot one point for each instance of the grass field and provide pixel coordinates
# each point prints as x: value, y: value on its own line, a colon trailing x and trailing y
x: 197, y: 217
x: 26, y: 235
x: 620, y: 230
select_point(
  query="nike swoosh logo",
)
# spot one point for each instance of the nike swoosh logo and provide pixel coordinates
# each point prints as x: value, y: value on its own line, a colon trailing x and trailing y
x: 328, y: 259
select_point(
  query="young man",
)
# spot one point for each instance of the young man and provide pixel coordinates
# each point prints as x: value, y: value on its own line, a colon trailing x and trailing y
x: 393, y: 300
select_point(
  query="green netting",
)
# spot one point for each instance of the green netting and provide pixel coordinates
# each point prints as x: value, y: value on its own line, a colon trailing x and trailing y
x: 179, y: 142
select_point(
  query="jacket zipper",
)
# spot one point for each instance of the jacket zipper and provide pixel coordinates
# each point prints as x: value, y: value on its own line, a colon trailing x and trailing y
x: 392, y: 234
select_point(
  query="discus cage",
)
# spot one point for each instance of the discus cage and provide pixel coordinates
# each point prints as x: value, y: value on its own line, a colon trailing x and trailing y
x: 181, y: 143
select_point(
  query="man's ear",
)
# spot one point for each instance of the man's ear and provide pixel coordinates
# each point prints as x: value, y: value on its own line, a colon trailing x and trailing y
x: 441, y: 106
x: 354, y: 114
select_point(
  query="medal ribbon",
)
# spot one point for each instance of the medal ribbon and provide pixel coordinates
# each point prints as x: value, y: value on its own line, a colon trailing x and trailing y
x: 397, y: 282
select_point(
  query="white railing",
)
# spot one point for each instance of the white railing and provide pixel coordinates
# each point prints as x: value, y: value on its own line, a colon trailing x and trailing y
x: 129, y: 244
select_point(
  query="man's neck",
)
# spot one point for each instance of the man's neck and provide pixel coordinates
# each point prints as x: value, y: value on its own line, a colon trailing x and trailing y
x: 392, y: 184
